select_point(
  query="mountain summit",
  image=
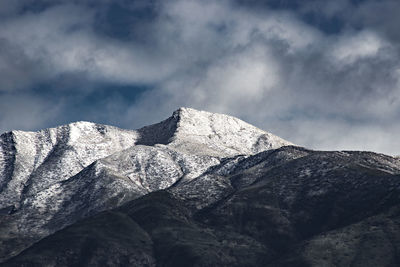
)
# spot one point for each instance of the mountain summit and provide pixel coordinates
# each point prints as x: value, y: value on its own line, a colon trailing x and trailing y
x: 208, y: 133
x: 197, y: 189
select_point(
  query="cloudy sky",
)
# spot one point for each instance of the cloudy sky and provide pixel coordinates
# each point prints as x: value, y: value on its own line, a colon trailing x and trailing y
x: 322, y: 74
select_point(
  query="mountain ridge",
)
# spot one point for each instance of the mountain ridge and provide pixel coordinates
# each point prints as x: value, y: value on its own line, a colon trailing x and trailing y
x: 197, y: 189
x: 40, y: 171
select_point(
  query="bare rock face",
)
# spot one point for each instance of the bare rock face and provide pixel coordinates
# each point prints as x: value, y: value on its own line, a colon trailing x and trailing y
x: 197, y: 189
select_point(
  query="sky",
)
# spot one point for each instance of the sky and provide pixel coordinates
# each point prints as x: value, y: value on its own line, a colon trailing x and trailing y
x: 321, y: 74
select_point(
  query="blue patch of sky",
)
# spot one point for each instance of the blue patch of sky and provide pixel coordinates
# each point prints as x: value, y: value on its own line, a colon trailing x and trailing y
x: 329, y: 25
x: 125, y: 22
x: 94, y: 104
x: 35, y: 6
x: 326, y: 24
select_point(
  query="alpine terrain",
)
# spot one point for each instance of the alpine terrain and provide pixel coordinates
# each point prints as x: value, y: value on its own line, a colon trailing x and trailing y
x: 197, y: 189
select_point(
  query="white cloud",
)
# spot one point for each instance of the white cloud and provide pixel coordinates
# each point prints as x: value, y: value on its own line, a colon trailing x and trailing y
x: 268, y: 67
x: 356, y: 46
x: 274, y: 70
x: 61, y: 38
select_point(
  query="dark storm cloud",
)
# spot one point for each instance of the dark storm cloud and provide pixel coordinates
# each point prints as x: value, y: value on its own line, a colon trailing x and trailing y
x: 324, y: 75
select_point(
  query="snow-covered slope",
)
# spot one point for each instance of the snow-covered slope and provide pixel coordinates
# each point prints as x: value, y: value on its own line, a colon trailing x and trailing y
x: 104, y: 184
x: 32, y: 161
x: 54, y: 177
x: 284, y: 207
x: 205, y: 133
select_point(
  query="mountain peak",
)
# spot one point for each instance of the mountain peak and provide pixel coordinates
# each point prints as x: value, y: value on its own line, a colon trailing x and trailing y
x: 187, y: 129
x: 207, y: 133
x: 185, y: 110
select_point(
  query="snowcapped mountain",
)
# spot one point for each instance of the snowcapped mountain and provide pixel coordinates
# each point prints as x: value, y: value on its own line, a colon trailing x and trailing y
x: 54, y: 177
x: 197, y: 189
x: 32, y: 161
x: 205, y: 133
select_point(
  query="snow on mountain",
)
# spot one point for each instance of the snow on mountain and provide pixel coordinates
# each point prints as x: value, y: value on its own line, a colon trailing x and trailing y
x: 32, y: 161
x: 205, y: 133
x: 284, y: 207
x: 207, y: 188
x: 105, y: 184
x: 54, y: 177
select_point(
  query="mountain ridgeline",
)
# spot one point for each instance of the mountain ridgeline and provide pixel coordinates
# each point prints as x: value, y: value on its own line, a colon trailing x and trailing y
x: 197, y: 189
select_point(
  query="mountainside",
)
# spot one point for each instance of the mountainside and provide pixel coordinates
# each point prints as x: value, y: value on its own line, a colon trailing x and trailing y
x: 54, y: 177
x: 197, y: 189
